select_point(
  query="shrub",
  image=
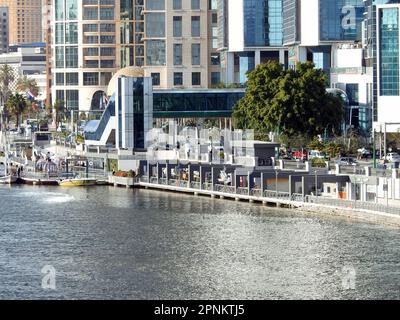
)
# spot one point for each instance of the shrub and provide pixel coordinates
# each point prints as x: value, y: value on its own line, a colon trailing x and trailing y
x: 318, y: 163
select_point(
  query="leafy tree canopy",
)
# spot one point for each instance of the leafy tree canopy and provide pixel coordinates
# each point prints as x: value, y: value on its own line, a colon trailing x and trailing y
x: 289, y: 101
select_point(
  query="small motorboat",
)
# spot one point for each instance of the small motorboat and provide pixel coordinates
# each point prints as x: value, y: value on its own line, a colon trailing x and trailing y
x: 8, y: 179
x: 77, y: 182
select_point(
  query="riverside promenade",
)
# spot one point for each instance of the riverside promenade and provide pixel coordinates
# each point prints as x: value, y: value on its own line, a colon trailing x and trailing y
x: 292, y: 189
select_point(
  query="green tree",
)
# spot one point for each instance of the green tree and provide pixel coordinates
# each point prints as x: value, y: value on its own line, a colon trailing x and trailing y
x: 291, y: 102
x: 316, y: 145
x: 7, y: 76
x: 24, y: 83
x: 332, y: 149
x: 15, y: 106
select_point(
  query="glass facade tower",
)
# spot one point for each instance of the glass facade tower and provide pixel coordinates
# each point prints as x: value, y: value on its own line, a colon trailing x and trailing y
x: 263, y: 23
x: 389, y: 51
x: 341, y: 20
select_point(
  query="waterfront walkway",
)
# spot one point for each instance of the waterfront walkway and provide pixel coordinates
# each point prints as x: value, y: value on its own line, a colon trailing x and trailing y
x: 266, y: 197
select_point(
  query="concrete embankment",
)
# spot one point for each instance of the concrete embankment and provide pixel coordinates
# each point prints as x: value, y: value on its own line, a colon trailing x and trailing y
x: 354, y: 214
x: 312, y: 208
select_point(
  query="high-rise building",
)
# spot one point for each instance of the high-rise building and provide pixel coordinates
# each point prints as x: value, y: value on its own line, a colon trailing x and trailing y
x: 25, y: 20
x: 92, y: 39
x: 47, y: 34
x: 181, y: 43
x: 385, y: 38
x: 255, y: 36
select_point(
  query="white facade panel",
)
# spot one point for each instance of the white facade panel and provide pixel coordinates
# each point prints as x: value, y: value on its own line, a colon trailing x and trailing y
x: 309, y: 22
x: 236, y: 26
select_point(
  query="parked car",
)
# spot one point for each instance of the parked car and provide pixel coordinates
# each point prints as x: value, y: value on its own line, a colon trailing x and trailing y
x: 317, y: 154
x: 364, y: 153
x: 346, y: 161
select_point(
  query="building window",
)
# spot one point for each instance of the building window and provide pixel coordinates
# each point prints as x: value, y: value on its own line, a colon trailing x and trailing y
x: 155, y: 4
x: 72, y: 99
x: 178, y: 78
x: 71, y: 57
x: 106, y: 13
x: 90, y: 78
x: 215, y: 59
x: 214, y: 18
x: 215, y: 78
x: 155, y: 53
x: 195, y: 26
x: 177, y: 26
x: 196, y: 78
x: 71, y: 33
x: 196, y: 54
x: 59, y: 57
x: 72, y: 79
x: 177, y: 4
x: 213, y: 4
x: 195, y: 4
x: 177, y: 54
x: 155, y: 79
x: 59, y: 79
x: 90, y: 13
x: 59, y: 33
x: 155, y: 25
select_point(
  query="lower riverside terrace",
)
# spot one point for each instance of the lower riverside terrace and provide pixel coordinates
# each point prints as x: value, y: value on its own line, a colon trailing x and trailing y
x: 202, y: 156
x: 239, y: 169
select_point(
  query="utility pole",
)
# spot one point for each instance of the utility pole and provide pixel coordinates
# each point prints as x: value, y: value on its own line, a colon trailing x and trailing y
x: 374, y: 149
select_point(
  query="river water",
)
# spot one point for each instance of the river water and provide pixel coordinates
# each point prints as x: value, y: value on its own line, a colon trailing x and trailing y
x: 106, y: 242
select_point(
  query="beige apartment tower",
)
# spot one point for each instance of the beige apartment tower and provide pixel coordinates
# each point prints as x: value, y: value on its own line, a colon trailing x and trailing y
x: 25, y: 20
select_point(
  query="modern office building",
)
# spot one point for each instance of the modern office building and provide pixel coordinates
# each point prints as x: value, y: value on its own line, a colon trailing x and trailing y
x: 27, y: 60
x: 330, y: 34
x: 25, y: 20
x: 255, y: 36
x: 92, y: 39
x: 386, y: 64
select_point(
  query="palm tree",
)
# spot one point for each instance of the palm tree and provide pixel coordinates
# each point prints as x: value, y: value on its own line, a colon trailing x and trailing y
x: 24, y: 83
x: 59, y: 108
x: 16, y: 105
x: 7, y: 77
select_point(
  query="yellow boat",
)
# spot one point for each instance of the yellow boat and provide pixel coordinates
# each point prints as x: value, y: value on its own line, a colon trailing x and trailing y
x: 79, y: 182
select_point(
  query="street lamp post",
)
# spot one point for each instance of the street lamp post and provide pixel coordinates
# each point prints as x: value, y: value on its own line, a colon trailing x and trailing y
x: 276, y: 182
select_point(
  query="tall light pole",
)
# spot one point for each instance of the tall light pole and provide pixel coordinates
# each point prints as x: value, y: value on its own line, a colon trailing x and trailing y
x: 276, y: 182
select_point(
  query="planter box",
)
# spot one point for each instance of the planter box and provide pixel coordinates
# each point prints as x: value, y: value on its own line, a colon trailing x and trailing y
x: 121, y: 181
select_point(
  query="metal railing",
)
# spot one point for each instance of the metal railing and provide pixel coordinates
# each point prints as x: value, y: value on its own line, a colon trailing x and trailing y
x: 278, y: 195
x: 353, y: 204
x: 207, y: 186
x: 243, y: 191
x: 195, y: 185
x: 224, y: 188
x: 153, y: 180
x: 256, y: 192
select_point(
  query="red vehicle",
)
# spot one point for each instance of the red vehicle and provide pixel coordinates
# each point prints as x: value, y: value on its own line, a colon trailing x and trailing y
x: 301, y: 154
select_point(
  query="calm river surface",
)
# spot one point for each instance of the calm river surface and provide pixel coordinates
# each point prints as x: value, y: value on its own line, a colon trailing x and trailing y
x: 142, y: 244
